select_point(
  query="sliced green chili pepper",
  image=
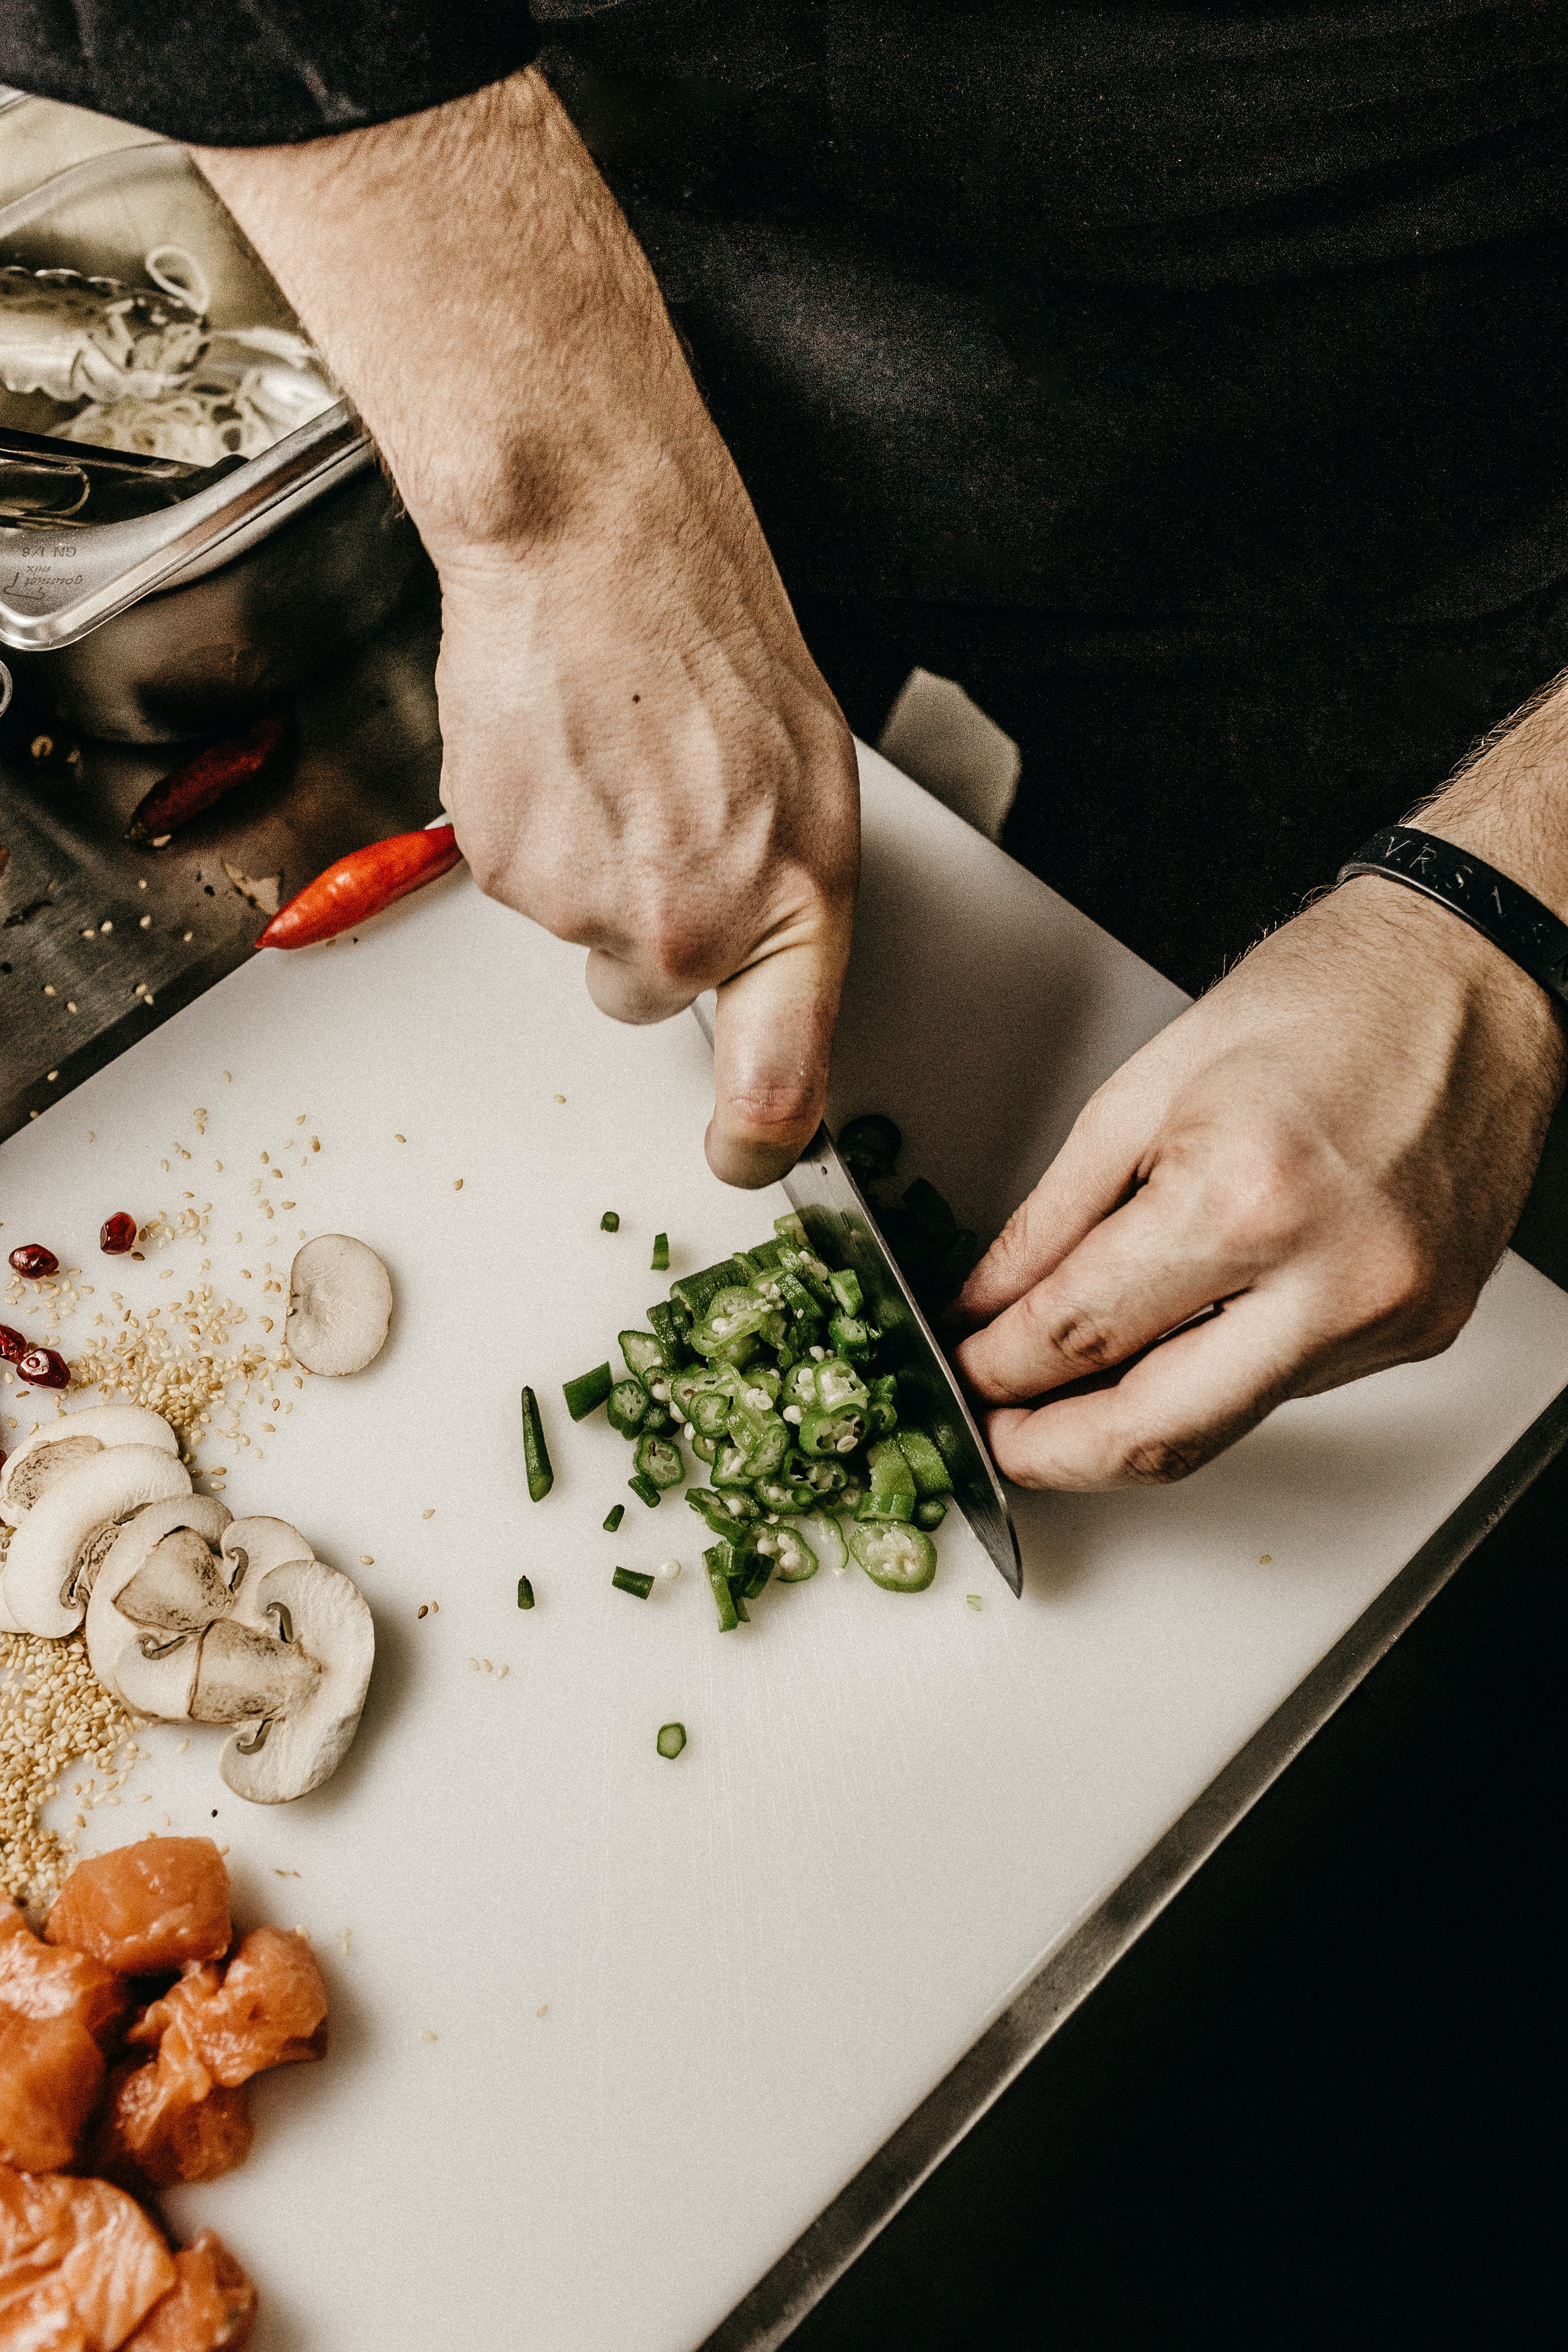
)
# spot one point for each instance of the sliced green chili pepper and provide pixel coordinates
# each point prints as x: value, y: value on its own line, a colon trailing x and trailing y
x: 898, y: 1557
x: 626, y: 1580
x: 695, y: 1290
x: 882, y: 1405
x: 799, y: 1383
x: 643, y: 1352
x: 829, y: 1429
x: 524, y: 1593
x: 725, y: 1514
x: 838, y: 1383
x: 660, y: 1461
x: 614, y: 1520
x: 670, y: 1320
x: 645, y: 1490
x: 535, y: 1452
x: 730, y: 1467
x: 826, y: 1540
x: 931, y: 1475
x: 661, y: 1253
x: 588, y: 1390
x: 716, y: 1559
x: 628, y: 1405
x: 753, y: 1581
x: 845, y: 1288
x: 671, y: 1740
x: 891, y: 1494
x: 705, y: 1448
x: 609, y: 1222
x: 930, y: 1513
x: 851, y: 1337
x: 796, y: 1560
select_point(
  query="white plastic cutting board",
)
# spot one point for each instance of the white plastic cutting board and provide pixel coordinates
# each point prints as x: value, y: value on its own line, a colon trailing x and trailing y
x: 676, y: 2005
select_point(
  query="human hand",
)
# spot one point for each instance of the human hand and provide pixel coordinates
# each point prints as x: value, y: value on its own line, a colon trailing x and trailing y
x: 638, y: 750
x: 1336, y: 1142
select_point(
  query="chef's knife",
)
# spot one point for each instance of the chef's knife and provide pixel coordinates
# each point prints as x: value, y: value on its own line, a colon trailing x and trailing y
x: 844, y: 1232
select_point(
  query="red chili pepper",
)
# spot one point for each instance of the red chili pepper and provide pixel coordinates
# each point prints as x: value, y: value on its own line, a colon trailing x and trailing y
x: 46, y: 1367
x: 361, y: 885
x: 117, y: 1234
x: 191, y: 790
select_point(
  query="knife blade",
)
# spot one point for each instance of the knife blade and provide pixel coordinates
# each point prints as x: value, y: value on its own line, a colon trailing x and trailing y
x: 843, y: 1229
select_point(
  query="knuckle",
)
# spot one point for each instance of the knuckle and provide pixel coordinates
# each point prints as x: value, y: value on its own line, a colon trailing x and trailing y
x: 1149, y: 1459
x: 1077, y: 1338
x: 777, y: 1107
x: 1260, y: 1201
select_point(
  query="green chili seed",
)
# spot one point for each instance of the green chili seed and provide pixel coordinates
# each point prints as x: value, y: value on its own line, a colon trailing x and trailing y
x: 588, y: 1390
x: 524, y: 1593
x: 614, y: 1519
x: 609, y: 1222
x: 661, y: 1253
x: 671, y: 1740
x: 626, y: 1580
x: 644, y: 1489
x: 535, y: 1452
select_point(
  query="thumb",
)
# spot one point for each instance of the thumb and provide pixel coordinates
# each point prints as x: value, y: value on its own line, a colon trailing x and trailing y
x: 772, y: 1043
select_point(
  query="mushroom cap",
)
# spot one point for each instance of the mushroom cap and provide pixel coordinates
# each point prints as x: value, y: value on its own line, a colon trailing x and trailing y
x: 83, y: 1434
x: 108, y: 1486
x: 329, y: 1619
x: 340, y: 1303
x: 163, y: 1685
x: 266, y: 1544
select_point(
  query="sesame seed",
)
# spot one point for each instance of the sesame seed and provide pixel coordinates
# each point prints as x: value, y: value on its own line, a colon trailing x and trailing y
x: 367, y: 1559
x: 456, y: 1185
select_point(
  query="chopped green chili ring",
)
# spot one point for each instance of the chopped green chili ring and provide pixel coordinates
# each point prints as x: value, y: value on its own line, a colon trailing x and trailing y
x: 671, y: 1740
x: 626, y: 1580
x: 845, y: 1288
x: 614, y: 1520
x: 716, y: 1559
x: 661, y: 1253
x: 535, y: 1452
x: 891, y: 1492
x: 644, y: 1489
x: 524, y: 1593
x: 643, y: 1352
x: 930, y: 1513
x: 898, y: 1557
x: 628, y: 1405
x: 659, y: 1462
x: 694, y: 1290
x: 931, y: 1473
x: 588, y: 1390
x: 609, y: 1222
x: 672, y: 1325
x: 851, y: 1337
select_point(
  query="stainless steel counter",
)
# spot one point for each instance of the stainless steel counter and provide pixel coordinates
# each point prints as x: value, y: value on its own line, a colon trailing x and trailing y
x: 99, y: 941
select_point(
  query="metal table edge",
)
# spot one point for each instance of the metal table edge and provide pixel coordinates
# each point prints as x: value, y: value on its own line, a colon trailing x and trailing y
x: 821, y: 2255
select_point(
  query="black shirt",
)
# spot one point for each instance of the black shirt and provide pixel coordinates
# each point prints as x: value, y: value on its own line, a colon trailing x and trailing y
x: 1102, y: 308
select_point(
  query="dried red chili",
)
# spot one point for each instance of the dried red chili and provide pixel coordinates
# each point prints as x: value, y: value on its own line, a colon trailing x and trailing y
x: 194, y: 789
x: 117, y: 1234
x: 35, y: 1261
x: 361, y: 885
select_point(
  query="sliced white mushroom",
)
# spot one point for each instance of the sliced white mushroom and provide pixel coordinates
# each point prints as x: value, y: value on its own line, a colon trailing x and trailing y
x: 53, y: 1553
x: 340, y: 1303
x: 253, y: 1547
x: 50, y: 1453
x: 163, y: 1561
x: 319, y: 1620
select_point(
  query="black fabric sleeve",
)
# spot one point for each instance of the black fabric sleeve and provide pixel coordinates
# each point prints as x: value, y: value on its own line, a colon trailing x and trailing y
x: 259, y: 73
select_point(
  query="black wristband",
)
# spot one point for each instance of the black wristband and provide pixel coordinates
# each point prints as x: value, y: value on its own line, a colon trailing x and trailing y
x: 1481, y: 896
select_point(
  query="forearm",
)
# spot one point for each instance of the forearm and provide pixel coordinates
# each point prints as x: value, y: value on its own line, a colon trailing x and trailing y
x: 477, y: 292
